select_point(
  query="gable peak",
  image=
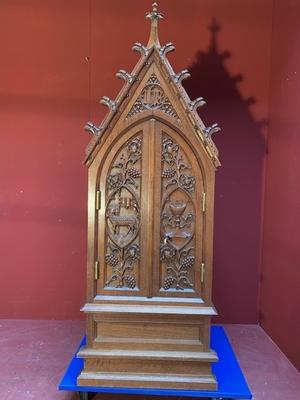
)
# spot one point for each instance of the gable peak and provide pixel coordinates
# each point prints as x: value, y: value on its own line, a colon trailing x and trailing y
x: 152, y: 95
x: 154, y: 15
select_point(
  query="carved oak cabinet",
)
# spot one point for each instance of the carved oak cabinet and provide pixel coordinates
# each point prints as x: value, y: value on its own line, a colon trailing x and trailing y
x: 151, y: 170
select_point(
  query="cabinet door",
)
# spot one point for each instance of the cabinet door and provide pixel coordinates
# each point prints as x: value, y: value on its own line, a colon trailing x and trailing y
x: 179, y: 227
x: 123, y: 182
x: 150, y: 225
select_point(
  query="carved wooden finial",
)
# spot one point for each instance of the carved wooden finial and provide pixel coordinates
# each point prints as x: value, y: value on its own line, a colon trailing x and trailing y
x: 140, y: 48
x: 199, y: 102
x: 154, y: 15
x: 126, y: 76
x: 167, y: 48
x: 111, y: 104
x: 95, y: 130
x: 210, y: 130
x: 184, y: 74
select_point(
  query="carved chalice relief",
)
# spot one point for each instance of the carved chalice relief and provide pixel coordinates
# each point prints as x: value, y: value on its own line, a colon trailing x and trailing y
x: 178, y: 222
x: 174, y: 216
x: 177, y: 208
x: 176, y: 251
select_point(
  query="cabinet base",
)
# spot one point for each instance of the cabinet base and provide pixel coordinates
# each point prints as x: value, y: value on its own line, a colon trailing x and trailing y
x: 146, y: 380
x: 162, y: 346
x: 231, y: 382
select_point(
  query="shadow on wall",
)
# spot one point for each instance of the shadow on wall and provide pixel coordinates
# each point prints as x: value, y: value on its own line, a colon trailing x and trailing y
x: 239, y: 184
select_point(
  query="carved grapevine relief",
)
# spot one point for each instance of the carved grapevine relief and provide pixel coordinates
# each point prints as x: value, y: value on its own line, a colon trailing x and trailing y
x: 153, y: 97
x: 122, y: 216
x: 177, y: 218
x: 175, y: 170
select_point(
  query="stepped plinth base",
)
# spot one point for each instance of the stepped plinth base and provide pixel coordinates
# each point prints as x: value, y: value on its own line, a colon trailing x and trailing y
x: 158, y: 381
x: 151, y: 346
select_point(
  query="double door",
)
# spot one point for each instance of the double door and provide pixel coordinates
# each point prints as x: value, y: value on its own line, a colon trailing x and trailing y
x: 150, y: 228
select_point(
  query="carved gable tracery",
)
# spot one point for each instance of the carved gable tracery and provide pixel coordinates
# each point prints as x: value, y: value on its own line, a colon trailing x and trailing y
x: 153, y: 97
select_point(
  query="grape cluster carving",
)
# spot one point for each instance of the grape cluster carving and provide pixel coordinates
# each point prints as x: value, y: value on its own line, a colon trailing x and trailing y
x: 178, y: 262
x: 176, y: 171
x: 122, y: 261
x: 126, y: 173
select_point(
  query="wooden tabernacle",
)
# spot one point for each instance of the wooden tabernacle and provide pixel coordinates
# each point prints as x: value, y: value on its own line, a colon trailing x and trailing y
x: 151, y: 166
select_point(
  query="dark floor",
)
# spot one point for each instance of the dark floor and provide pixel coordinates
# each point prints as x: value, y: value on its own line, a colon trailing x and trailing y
x: 34, y: 355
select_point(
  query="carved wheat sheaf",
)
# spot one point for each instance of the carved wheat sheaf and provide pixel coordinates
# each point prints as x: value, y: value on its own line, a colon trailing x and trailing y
x: 153, y: 97
x: 122, y: 216
x: 177, y: 218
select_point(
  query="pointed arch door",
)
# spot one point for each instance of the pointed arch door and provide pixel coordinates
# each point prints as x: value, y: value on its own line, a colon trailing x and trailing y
x: 150, y: 226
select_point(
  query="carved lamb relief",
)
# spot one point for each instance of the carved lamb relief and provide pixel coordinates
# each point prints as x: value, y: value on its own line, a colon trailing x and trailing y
x: 123, y: 216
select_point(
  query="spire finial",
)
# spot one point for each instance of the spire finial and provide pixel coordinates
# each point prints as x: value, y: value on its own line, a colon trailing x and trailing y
x: 154, y: 15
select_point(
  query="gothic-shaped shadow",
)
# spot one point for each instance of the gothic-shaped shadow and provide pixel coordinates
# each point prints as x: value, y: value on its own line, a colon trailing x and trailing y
x: 239, y: 183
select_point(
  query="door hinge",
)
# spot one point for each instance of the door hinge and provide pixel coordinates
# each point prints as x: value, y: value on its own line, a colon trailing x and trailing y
x: 203, y: 202
x: 98, y: 200
x: 202, y: 272
x: 96, y: 270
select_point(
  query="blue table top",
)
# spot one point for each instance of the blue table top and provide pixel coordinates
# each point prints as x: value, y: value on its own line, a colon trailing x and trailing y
x: 231, y: 381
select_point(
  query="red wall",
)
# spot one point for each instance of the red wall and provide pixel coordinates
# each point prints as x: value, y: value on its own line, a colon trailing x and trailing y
x: 58, y: 60
x: 280, y: 287
x: 44, y: 104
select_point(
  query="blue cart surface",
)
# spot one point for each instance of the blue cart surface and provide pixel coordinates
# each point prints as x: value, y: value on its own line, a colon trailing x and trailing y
x: 231, y: 381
